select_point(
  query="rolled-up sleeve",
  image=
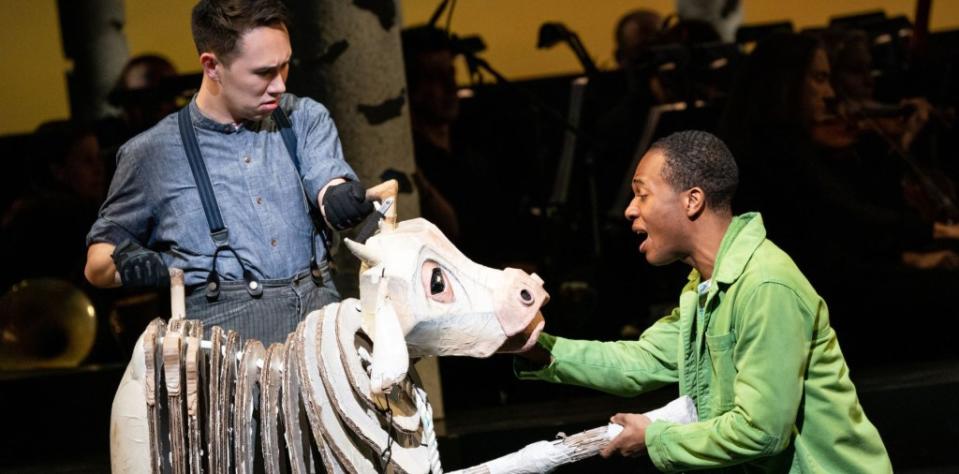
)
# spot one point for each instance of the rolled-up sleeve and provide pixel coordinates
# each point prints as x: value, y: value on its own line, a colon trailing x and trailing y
x: 320, y: 152
x: 126, y: 213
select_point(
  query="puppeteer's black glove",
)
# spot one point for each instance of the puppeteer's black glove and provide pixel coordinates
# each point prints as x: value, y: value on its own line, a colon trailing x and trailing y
x: 345, y: 205
x: 140, y: 267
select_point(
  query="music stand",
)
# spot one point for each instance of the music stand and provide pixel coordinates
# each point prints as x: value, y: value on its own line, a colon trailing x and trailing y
x: 747, y: 34
x: 858, y: 21
x: 714, y: 66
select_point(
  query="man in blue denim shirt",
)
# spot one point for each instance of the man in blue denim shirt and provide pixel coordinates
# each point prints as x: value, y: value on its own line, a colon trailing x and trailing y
x: 153, y: 217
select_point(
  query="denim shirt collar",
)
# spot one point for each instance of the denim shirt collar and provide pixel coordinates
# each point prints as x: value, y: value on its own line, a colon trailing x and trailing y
x: 203, y: 122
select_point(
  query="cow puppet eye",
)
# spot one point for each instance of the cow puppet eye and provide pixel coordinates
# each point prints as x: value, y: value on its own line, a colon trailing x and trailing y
x: 437, y: 284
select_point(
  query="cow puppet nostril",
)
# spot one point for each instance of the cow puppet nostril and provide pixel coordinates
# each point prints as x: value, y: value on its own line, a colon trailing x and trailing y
x: 526, y: 296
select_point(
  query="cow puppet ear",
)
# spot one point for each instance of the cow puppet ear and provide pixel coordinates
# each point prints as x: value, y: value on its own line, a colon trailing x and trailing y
x: 391, y: 359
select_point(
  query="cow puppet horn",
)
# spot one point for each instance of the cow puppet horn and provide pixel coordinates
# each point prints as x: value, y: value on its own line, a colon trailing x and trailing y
x: 363, y: 252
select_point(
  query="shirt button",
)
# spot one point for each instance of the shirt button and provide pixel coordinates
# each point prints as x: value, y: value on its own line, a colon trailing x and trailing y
x: 273, y: 242
x: 247, y: 159
x: 259, y: 200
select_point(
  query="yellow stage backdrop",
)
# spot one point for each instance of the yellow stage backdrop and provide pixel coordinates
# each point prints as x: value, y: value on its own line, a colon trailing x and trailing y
x: 33, y: 86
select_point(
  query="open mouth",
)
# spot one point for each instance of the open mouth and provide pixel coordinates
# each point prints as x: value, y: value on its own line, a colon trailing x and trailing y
x: 645, y: 240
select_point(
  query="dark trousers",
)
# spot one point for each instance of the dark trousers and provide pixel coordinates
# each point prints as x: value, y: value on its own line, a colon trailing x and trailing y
x: 269, y: 318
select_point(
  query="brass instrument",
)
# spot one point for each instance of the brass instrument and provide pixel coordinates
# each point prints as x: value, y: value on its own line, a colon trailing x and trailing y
x: 45, y: 323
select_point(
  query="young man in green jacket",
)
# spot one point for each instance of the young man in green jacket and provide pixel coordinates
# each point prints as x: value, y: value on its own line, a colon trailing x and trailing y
x: 750, y: 342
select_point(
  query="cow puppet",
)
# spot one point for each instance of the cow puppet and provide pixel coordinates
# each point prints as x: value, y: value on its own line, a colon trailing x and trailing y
x: 419, y: 296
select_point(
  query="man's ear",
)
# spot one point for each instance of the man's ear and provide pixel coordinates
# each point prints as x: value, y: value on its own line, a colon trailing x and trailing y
x: 209, y: 62
x: 695, y: 202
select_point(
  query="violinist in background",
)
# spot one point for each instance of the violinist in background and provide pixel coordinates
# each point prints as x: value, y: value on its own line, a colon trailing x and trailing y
x: 884, y: 142
x: 838, y: 213
x: 900, y: 131
x: 854, y: 82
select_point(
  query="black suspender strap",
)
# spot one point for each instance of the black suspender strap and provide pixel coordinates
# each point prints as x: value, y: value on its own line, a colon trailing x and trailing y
x: 289, y: 136
x: 289, y: 139
x: 218, y: 231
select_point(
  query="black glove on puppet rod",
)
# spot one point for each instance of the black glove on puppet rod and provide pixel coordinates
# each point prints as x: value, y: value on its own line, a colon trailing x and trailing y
x: 140, y: 267
x: 345, y: 205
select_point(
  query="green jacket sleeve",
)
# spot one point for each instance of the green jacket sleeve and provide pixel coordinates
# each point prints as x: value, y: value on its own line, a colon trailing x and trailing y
x: 622, y: 368
x: 766, y: 362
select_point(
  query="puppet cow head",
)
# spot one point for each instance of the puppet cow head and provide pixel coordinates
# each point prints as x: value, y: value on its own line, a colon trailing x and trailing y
x: 420, y: 296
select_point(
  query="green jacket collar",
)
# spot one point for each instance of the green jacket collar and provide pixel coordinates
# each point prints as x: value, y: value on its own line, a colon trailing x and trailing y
x: 741, y: 240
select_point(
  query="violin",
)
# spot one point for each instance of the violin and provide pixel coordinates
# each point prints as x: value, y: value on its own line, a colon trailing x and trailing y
x: 834, y: 132
x: 842, y: 123
x: 926, y: 189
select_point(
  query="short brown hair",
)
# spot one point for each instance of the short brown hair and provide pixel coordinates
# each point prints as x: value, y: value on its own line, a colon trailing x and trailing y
x: 218, y: 24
